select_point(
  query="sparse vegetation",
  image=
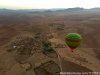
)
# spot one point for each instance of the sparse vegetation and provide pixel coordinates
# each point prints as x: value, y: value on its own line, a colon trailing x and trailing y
x: 57, y: 26
x: 24, y: 48
x: 34, y: 48
x: 47, y: 46
x: 38, y: 35
x: 47, y: 68
x: 48, y: 50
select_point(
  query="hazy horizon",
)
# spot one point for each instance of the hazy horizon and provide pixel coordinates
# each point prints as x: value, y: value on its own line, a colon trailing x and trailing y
x: 48, y: 4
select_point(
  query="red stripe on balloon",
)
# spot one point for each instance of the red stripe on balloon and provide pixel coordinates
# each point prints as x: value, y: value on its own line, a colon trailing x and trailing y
x: 72, y: 49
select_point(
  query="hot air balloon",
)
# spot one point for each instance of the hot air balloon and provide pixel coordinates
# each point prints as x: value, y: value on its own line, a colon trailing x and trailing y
x: 73, y: 40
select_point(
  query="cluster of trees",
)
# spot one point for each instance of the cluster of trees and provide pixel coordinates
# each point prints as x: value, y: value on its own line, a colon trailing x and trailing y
x: 47, y: 46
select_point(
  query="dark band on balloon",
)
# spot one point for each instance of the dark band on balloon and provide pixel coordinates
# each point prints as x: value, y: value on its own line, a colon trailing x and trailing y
x: 72, y: 47
x: 73, y: 40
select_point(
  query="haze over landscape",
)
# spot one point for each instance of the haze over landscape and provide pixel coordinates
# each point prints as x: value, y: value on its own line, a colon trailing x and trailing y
x: 48, y: 4
x: 32, y: 41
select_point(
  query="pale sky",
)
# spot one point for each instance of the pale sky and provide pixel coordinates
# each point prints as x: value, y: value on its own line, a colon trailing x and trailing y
x: 47, y: 4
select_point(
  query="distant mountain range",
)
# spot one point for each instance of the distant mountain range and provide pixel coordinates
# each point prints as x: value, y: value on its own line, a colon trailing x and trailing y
x: 77, y: 9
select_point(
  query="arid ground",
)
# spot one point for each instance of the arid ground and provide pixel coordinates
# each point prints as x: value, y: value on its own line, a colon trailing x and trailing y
x: 23, y: 37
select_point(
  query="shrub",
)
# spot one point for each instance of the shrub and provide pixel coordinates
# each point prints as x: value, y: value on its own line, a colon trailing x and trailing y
x: 47, y: 46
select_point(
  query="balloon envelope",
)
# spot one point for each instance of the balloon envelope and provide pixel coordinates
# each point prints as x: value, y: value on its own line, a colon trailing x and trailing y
x: 73, y: 40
